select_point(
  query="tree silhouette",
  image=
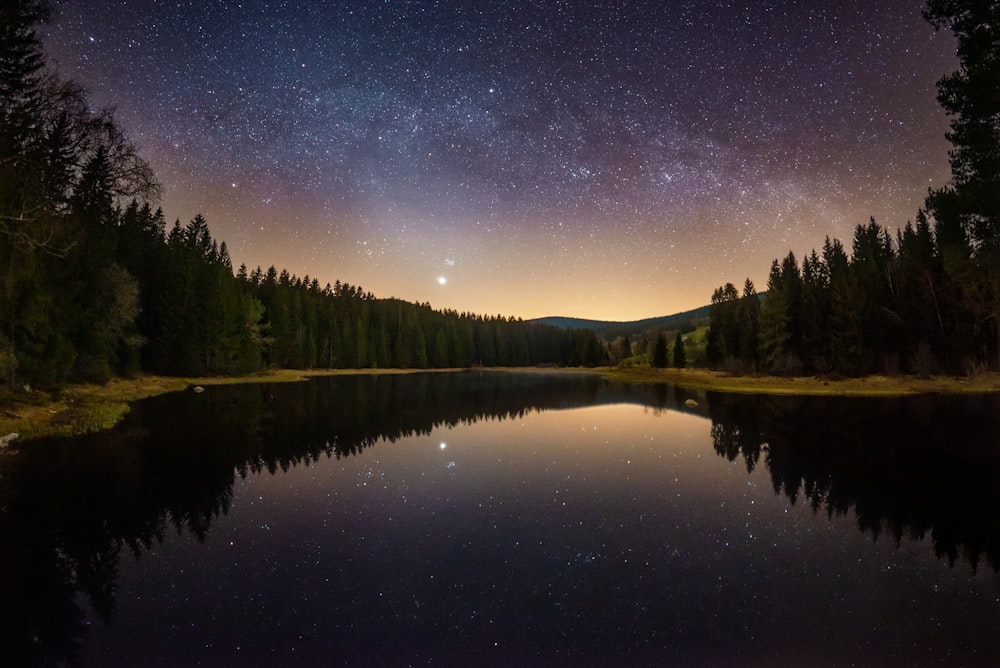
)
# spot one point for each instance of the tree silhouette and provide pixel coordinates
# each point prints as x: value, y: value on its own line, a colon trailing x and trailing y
x: 659, y: 360
x: 680, y: 357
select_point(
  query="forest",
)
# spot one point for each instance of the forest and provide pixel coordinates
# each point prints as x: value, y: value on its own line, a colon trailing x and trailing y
x: 923, y: 300
x: 96, y: 284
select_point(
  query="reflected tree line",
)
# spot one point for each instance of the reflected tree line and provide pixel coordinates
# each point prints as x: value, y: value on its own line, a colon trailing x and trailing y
x: 907, y: 468
x: 70, y: 510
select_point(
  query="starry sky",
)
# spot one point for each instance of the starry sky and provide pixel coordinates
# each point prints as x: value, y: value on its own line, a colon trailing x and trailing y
x: 608, y: 160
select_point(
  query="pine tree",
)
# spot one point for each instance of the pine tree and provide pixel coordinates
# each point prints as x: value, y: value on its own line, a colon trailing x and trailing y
x: 872, y: 266
x: 816, y: 313
x: 775, y: 345
x: 680, y: 357
x: 971, y: 96
x: 748, y: 324
x: 723, y: 346
x: 920, y: 290
x: 847, y: 349
x: 441, y: 359
x: 659, y: 360
x: 23, y: 205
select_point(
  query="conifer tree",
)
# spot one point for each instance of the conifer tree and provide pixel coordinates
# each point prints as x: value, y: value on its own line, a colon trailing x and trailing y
x: 776, y: 346
x: 722, y: 346
x: 971, y: 96
x: 659, y: 360
x: 441, y: 348
x: 816, y: 313
x: 748, y: 324
x: 680, y: 357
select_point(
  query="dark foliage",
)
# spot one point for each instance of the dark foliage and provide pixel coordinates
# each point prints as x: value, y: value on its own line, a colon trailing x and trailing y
x: 94, y: 285
x: 659, y: 360
x: 892, y: 306
x: 925, y: 301
x: 679, y: 359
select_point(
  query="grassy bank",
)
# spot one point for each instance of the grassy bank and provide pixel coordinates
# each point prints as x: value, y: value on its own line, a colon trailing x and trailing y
x: 809, y: 385
x: 81, y: 409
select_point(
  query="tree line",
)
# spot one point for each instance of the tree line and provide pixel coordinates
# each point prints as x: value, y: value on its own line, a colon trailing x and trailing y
x: 923, y: 300
x: 197, y: 317
x: 95, y: 284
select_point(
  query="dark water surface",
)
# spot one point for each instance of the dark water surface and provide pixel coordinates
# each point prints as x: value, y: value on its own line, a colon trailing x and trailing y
x: 498, y: 519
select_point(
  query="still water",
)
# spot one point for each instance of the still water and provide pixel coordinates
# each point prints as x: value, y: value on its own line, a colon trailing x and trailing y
x: 500, y: 519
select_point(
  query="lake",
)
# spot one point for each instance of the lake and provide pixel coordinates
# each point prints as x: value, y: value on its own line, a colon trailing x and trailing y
x: 504, y: 519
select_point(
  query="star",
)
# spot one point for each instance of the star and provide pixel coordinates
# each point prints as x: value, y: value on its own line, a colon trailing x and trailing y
x: 545, y: 142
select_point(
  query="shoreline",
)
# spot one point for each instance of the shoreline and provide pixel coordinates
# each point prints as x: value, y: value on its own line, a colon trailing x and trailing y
x: 865, y: 386
x: 80, y: 409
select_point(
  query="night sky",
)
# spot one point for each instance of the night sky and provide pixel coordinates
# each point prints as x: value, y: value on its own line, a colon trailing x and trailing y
x: 610, y: 160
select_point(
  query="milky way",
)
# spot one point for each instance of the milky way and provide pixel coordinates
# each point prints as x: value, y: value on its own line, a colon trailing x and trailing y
x: 613, y: 160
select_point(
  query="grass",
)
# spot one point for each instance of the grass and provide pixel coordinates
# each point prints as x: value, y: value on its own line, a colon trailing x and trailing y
x: 808, y: 385
x: 80, y: 409
x: 75, y: 410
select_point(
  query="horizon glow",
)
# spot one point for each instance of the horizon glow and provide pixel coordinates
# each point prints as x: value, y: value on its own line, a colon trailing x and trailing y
x: 596, y: 160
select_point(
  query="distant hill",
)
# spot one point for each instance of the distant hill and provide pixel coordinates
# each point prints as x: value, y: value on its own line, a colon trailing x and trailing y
x: 612, y: 329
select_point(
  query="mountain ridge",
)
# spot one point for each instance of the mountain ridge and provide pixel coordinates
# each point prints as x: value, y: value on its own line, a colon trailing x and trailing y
x: 609, y: 329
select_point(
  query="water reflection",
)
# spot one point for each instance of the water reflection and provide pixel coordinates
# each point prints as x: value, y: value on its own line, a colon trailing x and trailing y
x: 71, y: 510
x: 906, y: 467
x: 68, y: 508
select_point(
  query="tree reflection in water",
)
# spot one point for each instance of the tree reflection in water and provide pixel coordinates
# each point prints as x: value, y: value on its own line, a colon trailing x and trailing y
x: 69, y: 508
x: 907, y: 467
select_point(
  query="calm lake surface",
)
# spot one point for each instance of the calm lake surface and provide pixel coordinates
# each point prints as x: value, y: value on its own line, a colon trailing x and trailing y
x: 503, y: 519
